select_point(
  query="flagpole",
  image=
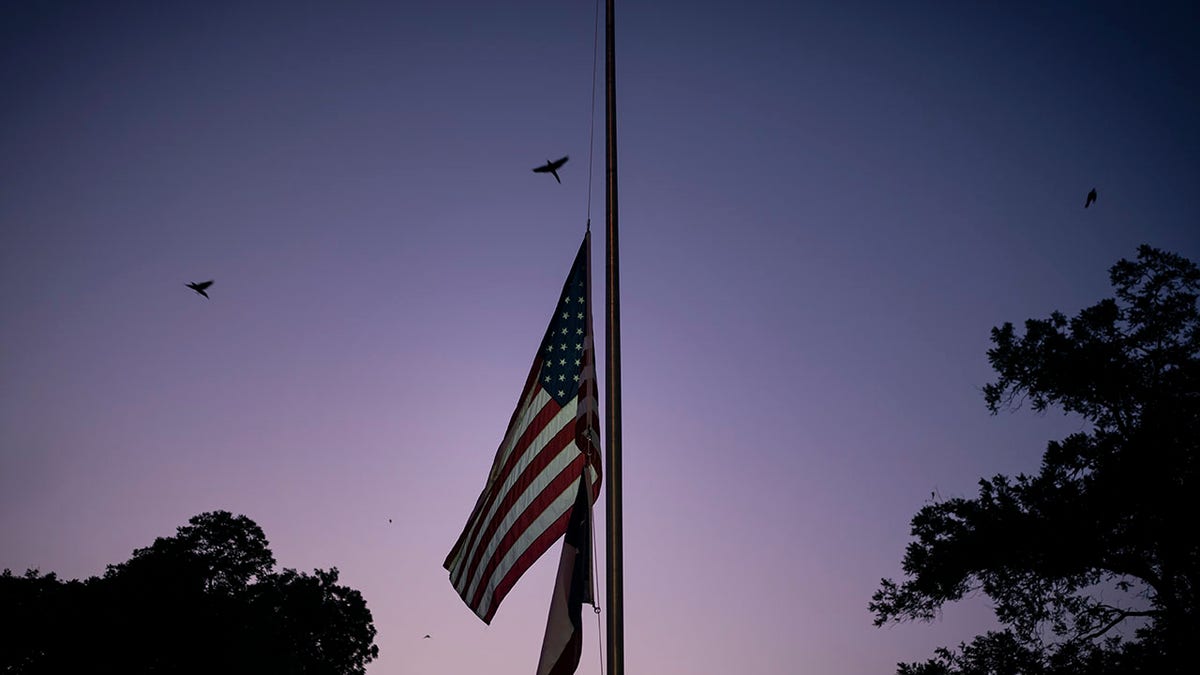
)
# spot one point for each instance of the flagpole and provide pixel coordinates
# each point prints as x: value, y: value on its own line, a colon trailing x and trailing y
x: 615, y: 586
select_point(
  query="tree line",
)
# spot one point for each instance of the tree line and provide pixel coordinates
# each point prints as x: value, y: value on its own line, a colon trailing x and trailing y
x: 206, y: 600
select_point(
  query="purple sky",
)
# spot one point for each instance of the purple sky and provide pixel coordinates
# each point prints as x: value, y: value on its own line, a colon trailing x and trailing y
x: 823, y: 213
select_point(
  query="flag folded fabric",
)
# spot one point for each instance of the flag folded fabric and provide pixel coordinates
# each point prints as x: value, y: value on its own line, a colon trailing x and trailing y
x: 564, y: 628
x: 552, y: 439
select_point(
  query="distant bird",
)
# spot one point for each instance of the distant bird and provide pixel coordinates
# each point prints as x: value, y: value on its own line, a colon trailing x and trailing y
x: 1091, y: 198
x: 199, y: 288
x: 552, y: 168
x: 426, y: 637
x: 389, y: 520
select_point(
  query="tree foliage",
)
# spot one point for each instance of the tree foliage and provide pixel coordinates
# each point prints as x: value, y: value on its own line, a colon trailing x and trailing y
x: 203, y: 601
x: 1093, y: 563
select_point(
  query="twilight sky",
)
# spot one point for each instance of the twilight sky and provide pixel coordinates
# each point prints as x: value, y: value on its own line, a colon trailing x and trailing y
x: 824, y: 211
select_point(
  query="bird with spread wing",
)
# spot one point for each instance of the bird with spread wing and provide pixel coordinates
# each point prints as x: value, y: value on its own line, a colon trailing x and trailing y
x: 552, y: 168
x: 200, y: 287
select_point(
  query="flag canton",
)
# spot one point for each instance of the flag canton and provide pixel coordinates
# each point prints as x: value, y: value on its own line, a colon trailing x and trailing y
x: 562, y: 348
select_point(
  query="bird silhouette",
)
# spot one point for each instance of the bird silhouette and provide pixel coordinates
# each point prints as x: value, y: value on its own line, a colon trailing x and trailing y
x: 552, y: 168
x: 1091, y: 198
x: 425, y: 638
x: 389, y: 520
x: 199, y: 288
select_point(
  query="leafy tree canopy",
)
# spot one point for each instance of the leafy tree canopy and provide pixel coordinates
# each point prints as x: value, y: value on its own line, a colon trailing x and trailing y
x: 1093, y: 563
x: 203, y: 601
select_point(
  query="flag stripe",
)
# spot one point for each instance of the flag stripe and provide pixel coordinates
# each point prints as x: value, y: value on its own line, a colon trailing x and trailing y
x: 500, y: 483
x: 516, y: 564
x: 505, y: 481
x: 503, y: 518
x: 519, y: 522
x: 501, y: 455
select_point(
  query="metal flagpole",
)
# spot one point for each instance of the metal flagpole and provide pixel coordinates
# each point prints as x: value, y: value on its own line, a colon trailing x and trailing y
x: 615, y: 587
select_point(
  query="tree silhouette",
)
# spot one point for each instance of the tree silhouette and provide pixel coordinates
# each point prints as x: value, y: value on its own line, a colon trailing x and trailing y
x: 1091, y: 563
x: 203, y: 601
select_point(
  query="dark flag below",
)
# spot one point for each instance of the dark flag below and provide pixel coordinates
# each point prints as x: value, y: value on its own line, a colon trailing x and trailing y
x: 573, y: 588
x: 553, y: 438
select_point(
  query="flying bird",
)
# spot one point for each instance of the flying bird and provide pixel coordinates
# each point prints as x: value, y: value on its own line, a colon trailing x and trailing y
x: 552, y: 168
x: 426, y: 637
x: 199, y: 288
x: 1091, y: 198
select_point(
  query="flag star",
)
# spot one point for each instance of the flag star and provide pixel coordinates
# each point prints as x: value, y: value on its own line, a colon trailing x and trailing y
x: 561, y: 392
x: 562, y: 377
x: 579, y: 331
x: 547, y: 378
x: 576, y: 377
x: 566, y: 315
x: 563, y: 346
x: 562, y: 362
x: 578, y: 346
x: 576, y: 361
x: 578, y: 299
x: 564, y: 330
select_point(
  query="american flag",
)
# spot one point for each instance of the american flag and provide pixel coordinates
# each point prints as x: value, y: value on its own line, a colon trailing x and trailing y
x: 552, y: 440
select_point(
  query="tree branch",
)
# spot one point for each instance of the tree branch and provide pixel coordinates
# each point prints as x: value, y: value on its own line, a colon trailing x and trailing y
x: 1121, y: 615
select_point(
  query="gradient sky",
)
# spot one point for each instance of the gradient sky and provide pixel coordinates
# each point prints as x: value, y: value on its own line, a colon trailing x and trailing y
x: 824, y: 210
